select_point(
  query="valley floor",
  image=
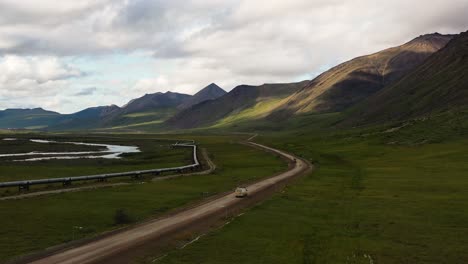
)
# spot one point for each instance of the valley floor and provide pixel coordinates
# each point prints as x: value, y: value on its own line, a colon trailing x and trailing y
x: 374, y: 197
x: 366, y: 202
x: 30, y: 225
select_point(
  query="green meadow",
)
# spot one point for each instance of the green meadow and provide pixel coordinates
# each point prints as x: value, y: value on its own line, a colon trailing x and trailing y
x: 378, y: 195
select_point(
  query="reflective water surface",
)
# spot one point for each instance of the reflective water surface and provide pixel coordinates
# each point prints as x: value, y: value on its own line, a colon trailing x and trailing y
x: 110, y: 151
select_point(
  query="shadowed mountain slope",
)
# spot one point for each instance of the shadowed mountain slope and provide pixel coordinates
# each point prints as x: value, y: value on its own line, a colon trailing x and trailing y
x: 93, y: 112
x: 439, y: 84
x: 151, y: 102
x: 27, y: 118
x: 85, y: 119
x: 352, y: 81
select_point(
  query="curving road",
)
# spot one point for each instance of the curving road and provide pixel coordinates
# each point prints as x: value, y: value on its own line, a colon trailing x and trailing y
x: 113, y: 245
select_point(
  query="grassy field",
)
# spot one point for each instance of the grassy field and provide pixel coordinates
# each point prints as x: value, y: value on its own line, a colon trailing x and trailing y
x: 155, y: 153
x: 34, y: 224
x: 374, y: 198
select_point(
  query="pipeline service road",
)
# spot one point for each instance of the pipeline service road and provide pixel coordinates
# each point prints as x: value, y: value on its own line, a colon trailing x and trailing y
x: 210, y: 169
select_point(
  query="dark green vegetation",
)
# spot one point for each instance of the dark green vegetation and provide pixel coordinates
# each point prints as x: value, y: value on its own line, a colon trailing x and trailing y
x: 34, y: 224
x: 154, y: 154
x: 377, y: 195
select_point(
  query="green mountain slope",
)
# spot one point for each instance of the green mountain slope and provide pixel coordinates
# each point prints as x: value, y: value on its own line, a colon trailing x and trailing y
x: 233, y: 103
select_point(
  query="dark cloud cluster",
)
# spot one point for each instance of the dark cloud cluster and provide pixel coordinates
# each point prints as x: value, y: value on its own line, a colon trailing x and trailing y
x: 86, y: 91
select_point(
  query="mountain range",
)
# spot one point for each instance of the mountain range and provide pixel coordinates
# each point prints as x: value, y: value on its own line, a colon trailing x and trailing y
x: 425, y: 75
x: 238, y: 99
x: 154, y: 108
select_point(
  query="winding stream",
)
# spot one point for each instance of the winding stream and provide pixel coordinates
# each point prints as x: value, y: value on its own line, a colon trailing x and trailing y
x: 111, y: 151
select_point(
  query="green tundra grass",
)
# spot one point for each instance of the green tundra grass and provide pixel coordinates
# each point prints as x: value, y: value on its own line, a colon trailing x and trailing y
x: 30, y: 225
x: 376, y: 196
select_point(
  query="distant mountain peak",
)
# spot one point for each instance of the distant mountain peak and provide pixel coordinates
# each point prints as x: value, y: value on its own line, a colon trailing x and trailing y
x: 157, y: 100
x: 212, y: 86
x: 435, y: 34
x: 210, y: 92
x: 31, y: 110
x: 428, y: 42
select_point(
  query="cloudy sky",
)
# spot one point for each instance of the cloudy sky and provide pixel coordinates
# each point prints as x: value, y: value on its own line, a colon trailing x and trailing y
x: 68, y: 55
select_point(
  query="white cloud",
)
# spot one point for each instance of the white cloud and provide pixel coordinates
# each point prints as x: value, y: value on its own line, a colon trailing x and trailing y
x: 41, y: 69
x: 24, y: 80
x: 196, y: 42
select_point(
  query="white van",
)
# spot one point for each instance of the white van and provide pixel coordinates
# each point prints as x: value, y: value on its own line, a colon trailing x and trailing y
x: 241, y: 192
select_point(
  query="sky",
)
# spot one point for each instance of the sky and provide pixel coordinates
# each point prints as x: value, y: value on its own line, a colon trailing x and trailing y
x: 69, y: 55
